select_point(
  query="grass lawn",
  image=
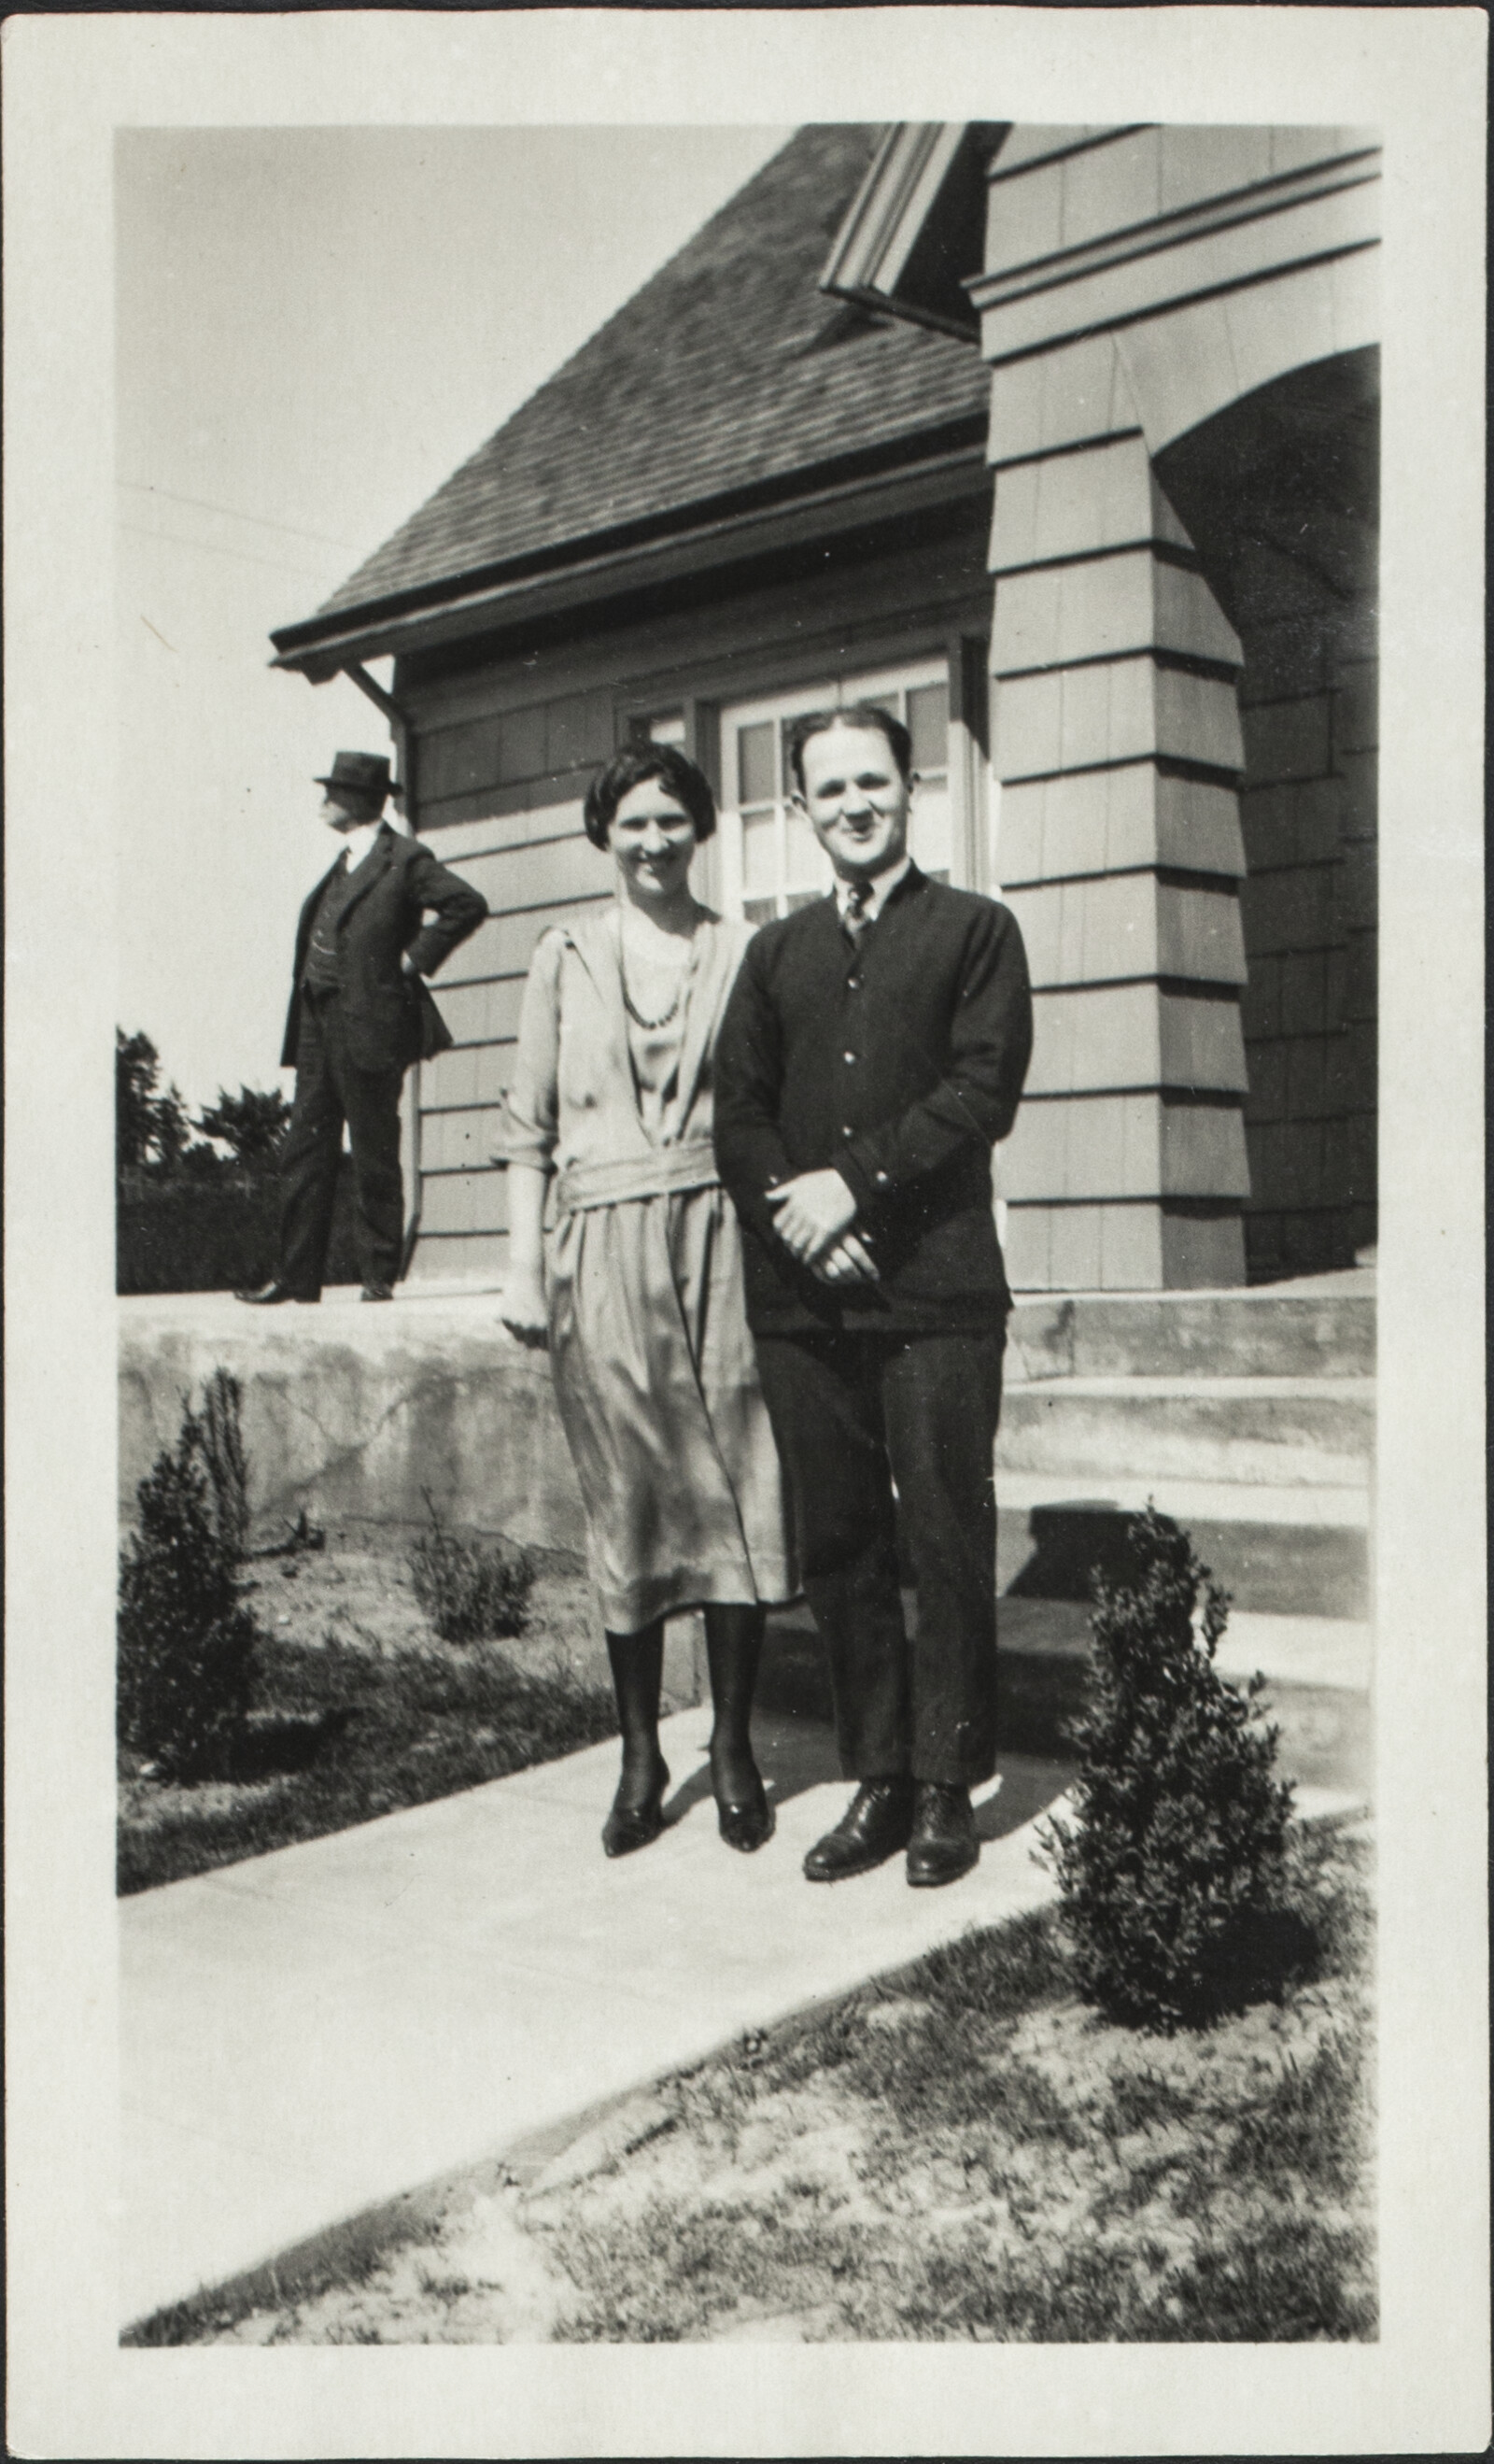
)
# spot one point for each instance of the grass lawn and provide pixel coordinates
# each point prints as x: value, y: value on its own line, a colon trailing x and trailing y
x: 962, y: 2152
x: 359, y: 1710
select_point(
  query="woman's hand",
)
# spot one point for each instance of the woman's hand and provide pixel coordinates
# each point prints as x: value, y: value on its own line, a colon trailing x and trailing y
x: 524, y: 1311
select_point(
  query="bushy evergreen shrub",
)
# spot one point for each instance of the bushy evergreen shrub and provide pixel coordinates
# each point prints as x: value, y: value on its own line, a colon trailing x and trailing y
x: 186, y: 1661
x: 471, y: 1591
x: 1174, y: 1858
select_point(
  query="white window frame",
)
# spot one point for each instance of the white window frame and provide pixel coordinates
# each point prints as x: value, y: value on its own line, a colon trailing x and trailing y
x: 888, y: 684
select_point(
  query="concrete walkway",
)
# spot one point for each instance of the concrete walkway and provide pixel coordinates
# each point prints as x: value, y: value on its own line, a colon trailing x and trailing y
x: 308, y: 2034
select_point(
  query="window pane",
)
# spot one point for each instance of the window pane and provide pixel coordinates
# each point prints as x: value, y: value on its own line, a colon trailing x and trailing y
x: 929, y: 726
x: 759, y: 911
x: 668, y: 730
x: 758, y: 851
x: 788, y: 785
x: 755, y: 750
x: 929, y: 833
x: 808, y: 865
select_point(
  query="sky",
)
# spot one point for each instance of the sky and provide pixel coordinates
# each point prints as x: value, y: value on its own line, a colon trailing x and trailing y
x: 314, y: 328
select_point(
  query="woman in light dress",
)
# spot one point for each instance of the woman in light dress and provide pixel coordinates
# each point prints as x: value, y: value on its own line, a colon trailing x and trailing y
x: 653, y: 1365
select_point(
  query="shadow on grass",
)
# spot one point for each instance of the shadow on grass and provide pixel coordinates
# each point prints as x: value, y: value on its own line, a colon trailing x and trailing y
x: 340, y: 1736
x: 271, y: 1748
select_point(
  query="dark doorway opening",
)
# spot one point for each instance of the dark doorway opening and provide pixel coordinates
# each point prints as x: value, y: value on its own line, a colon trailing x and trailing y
x: 1280, y: 493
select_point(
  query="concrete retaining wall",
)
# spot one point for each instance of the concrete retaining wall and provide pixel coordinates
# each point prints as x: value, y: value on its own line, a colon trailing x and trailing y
x: 355, y: 1412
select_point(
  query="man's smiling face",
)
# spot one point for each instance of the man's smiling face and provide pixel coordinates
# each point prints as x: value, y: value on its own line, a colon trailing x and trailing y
x: 857, y: 800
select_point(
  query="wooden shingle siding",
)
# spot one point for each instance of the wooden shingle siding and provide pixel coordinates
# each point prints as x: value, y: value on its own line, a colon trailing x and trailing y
x: 868, y: 603
x: 462, y: 1203
x: 534, y: 867
x: 473, y: 1074
x: 540, y: 741
x: 461, y: 1141
x: 539, y: 872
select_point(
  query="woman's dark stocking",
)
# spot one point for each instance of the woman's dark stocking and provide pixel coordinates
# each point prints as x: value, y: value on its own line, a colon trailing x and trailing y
x: 733, y: 1648
x: 637, y: 1813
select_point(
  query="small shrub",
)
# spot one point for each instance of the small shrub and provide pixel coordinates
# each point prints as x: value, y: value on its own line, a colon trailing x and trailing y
x: 1176, y: 1854
x: 186, y: 1662
x: 471, y: 1591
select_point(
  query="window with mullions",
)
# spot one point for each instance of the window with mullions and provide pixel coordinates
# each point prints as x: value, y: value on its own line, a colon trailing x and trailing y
x: 771, y: 861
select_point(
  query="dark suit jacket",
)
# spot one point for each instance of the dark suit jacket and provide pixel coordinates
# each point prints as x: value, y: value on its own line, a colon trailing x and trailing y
x: 391, y: 1018
x: 900, y: 1063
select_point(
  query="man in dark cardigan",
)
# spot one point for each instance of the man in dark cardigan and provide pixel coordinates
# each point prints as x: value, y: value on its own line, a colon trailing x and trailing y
x: 374, y: 927
x: 872, y: 1052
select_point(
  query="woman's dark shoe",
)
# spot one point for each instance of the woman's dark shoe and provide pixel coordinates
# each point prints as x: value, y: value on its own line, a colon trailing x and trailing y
x: 945, y: 1842
x: 746, y: 1821
x: 635, y: 1822
x: 876, y: 1823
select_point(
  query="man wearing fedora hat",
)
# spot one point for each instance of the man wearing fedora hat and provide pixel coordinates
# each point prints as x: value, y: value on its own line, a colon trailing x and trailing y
x: 359, y: 1014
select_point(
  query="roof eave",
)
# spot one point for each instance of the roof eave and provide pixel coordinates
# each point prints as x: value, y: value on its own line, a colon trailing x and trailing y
x: 950, y: 464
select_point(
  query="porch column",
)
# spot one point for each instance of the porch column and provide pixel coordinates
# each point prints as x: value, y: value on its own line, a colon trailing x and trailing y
x: 1117, y: 742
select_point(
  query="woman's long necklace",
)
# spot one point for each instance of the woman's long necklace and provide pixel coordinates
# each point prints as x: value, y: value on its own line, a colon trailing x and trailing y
x: 652, y: 1026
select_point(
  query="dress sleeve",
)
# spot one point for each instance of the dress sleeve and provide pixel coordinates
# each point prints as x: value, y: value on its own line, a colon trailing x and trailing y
x: 530, y: 1109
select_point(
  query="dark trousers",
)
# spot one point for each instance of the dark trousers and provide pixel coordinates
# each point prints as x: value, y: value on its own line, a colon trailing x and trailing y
x: 330, y: 1088
x: 855, y: 1416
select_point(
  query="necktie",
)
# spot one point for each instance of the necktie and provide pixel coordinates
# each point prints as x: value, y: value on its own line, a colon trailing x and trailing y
x: 855, y: 920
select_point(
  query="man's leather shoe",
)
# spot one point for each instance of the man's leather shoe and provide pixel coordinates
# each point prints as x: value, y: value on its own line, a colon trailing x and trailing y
x: 267, y: 1295
x: 876, y: 1823
x: 945, y: 1842
x: 377, y: 1291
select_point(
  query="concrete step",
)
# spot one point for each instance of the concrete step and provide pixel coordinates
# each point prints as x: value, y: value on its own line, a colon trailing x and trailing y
x: 1270, y: 1556
x: 1276, y: 1432
x: 1318, y: 1671
x: 1322, y: 1327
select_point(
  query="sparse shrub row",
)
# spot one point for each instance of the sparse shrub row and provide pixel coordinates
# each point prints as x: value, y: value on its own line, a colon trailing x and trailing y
x: 471, y: 1591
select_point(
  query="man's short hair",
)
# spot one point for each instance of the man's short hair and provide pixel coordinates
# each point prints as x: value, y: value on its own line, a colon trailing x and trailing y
x: 629, y: 769
x: 854, y: 714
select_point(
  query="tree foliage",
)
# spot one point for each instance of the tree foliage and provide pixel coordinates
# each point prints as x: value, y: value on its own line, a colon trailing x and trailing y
x: 1172, y: 1860
x: 251, y: 1124
x: 151, y: 1126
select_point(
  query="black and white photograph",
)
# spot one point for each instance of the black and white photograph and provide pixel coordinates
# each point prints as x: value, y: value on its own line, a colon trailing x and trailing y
x: 765, y: 1457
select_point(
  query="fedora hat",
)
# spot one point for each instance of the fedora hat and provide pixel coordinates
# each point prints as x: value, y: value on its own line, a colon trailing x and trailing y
x: 366, y: 774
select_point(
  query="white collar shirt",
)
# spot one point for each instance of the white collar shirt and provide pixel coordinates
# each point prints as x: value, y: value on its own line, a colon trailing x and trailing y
x: 883, y: 885
x: 359, y: 842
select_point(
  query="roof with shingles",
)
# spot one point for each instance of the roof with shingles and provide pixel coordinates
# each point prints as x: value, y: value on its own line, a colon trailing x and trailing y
x: 728, y: 367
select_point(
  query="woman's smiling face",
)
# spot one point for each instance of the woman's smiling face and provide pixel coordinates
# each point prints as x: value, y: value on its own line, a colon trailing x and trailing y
x: 652, y: 840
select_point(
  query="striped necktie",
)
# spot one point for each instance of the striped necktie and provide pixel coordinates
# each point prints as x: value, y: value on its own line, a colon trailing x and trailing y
x: 854, y: 919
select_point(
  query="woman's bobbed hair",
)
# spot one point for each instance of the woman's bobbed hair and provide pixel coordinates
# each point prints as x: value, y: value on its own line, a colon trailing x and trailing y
x: 675, y: 771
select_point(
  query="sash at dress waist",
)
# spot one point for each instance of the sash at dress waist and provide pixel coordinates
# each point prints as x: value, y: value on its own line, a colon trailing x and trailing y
x: 691, y: 1165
